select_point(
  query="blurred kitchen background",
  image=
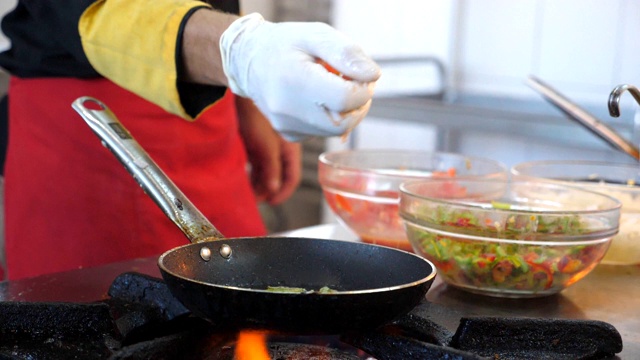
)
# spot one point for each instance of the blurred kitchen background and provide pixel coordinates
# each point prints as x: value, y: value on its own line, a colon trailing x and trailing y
x: 454, y: 75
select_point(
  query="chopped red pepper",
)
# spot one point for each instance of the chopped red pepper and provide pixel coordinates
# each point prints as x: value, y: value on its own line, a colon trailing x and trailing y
x: 568, y: 265
x: 537, y: 269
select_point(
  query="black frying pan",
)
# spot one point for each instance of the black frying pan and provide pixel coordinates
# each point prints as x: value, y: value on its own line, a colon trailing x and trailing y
x: 231, y: 281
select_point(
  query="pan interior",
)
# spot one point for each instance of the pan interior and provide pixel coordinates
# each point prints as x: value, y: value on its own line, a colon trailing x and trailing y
x: 258, y: 263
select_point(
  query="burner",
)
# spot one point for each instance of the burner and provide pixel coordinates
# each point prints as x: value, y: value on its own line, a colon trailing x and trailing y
x: 142, y: 320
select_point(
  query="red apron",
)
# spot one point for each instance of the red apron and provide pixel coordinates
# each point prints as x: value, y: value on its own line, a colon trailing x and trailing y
x: 69, y: 203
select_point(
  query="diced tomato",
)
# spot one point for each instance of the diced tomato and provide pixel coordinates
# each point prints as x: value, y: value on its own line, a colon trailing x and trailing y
x: 450, y: 172
x: 388, y: 194
x: 451, y: 189
x: 343, y: 203
x: 444, y: 266
x: 490, y: 257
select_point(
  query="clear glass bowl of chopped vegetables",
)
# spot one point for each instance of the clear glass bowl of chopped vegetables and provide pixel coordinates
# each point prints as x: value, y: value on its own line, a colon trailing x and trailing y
x: 619, y: 180
x: 508, y: 238
x: 361, y: 187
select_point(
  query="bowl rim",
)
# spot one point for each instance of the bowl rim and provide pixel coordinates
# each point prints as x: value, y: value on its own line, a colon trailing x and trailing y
x: 406, y: 192
x: 325, y: 159
x: 517, y: 171
x: 575, y: 240
x: 577, y: 162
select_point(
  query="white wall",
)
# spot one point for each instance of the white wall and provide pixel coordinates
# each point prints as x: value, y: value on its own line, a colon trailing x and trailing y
x: 583, y: 47
x: 402, y: 28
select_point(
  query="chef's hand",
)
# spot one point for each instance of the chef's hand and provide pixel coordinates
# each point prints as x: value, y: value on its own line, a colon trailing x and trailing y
x: 276, y: 164
x: 276, y: 65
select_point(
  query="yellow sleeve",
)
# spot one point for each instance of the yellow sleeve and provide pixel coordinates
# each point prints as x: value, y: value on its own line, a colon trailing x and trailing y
x: 133, y: 44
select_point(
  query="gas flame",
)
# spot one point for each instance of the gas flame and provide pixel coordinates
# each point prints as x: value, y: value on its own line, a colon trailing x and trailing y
x: 252, y: 345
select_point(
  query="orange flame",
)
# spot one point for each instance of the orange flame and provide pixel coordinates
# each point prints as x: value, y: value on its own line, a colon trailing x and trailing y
x: 252, y: 345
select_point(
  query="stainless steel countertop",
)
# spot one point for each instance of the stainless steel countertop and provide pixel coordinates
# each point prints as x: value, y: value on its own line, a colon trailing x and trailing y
x: 609, y: 293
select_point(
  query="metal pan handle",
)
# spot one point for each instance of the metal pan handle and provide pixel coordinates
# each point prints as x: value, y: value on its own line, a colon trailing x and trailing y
x: 151, y: 178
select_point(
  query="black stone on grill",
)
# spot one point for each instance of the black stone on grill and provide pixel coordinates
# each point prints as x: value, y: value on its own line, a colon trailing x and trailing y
x: 523, y: 338
x: 56, y: 330
x: 430, y: 326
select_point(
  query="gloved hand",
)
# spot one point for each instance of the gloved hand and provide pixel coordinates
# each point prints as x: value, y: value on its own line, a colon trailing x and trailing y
x: 276, y: 65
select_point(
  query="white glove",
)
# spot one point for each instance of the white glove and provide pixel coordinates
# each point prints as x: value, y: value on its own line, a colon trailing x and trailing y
x: 276, y: 65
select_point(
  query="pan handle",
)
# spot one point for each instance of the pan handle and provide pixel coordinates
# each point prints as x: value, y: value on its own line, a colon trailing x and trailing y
x: 145, y: 171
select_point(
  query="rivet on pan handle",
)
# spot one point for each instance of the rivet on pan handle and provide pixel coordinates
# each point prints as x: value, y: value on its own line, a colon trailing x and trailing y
x: 151, y: 178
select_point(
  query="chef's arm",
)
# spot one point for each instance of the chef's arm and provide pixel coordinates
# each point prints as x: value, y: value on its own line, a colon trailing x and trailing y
x: 201, y: 59
x: 276, y: 65
x: 136, y: 44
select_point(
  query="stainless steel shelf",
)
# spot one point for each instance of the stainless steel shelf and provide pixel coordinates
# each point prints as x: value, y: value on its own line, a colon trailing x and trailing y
x: 536, y: 120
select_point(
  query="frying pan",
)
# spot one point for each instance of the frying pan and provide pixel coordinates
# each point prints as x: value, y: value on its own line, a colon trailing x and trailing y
x: 231, y: 281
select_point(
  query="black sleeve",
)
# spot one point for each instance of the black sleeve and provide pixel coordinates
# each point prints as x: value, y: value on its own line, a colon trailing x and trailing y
x: 45, y: 40
x: 230, y: 6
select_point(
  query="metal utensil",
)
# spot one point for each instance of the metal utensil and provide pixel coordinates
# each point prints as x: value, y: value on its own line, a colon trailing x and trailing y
x: 614, y: 97
x: 584, y: 118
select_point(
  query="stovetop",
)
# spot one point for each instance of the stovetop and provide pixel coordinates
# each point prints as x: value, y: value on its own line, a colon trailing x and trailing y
x: 140, y: 319
x: 609, y: 294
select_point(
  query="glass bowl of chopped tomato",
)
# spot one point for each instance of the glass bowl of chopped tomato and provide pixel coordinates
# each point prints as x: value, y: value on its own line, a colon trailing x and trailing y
x: 509, y: 238
x: 361, y: 187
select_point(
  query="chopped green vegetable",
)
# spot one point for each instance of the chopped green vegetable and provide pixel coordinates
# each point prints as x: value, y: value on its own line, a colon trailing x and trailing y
x: 500, y: 205
x: 286, y: 289
x: 297, y: 290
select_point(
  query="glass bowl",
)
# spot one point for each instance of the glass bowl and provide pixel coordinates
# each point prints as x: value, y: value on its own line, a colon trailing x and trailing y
x: 621, y: 181
x: 361, y: 186
x: 508, y: 239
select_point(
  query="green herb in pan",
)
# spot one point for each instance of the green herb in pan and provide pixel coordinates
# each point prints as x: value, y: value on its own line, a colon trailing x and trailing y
x: 297, y: 290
